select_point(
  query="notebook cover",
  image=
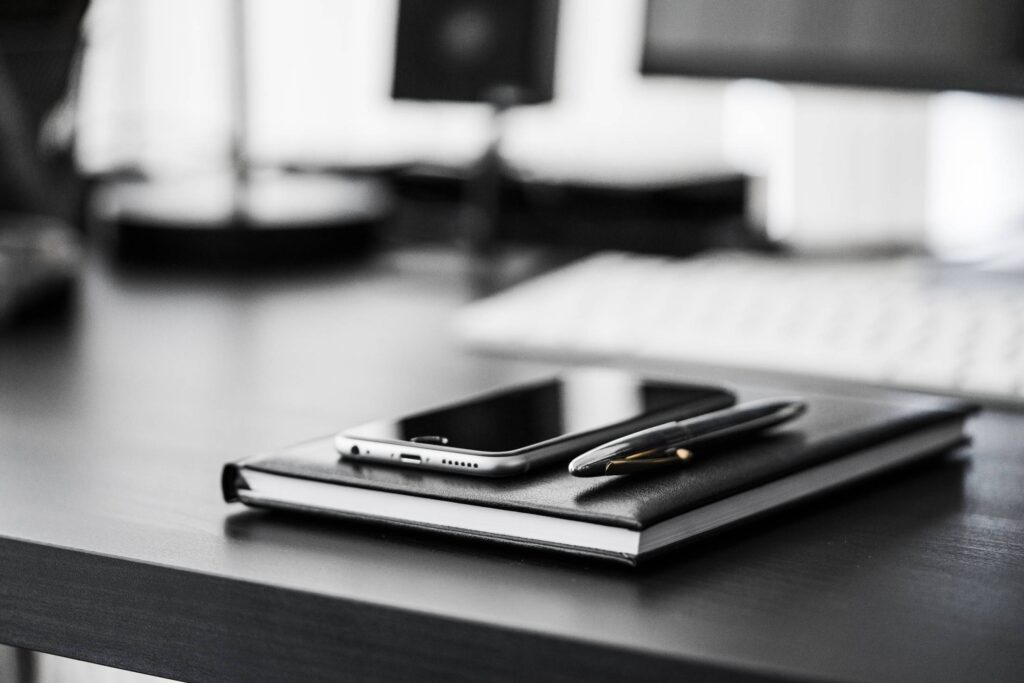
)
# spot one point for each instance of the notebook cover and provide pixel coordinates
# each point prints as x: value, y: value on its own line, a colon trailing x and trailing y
x: 832, y: 427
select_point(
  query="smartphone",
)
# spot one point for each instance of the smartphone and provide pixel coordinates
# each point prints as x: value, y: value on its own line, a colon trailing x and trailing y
x: 509, y: 431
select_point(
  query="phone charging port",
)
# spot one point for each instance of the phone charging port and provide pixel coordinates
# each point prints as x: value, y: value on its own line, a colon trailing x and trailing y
x: 405, y: 457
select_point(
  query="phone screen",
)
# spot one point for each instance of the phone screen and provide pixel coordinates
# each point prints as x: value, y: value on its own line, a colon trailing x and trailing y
x: 527, y: 415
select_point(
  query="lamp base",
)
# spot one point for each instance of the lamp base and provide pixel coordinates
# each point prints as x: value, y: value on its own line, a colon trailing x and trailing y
x: 265, y: 219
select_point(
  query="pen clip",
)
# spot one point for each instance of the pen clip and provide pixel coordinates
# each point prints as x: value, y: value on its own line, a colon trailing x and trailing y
x: 647, y: 461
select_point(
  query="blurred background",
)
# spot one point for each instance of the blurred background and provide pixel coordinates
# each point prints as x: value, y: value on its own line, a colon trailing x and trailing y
x: 161, y: 85
x: 827, y: 189
x: 304, y: 105
x: 884, y: 149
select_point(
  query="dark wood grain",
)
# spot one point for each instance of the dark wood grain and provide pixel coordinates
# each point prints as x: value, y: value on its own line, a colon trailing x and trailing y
x: 116, y: 548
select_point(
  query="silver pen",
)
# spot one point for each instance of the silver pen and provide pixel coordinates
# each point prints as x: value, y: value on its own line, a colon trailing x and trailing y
x: 669, y: 444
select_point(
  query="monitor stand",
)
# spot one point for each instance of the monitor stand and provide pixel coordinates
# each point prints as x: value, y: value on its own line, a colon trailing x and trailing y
x: 976, y: 172
x: 833, y: 169
x: 849, y: 170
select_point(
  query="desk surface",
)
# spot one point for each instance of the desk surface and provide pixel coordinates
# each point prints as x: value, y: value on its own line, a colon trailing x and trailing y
x: 115, y: 546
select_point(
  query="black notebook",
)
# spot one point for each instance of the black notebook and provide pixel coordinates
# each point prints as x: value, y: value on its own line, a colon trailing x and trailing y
x: 838, y: 441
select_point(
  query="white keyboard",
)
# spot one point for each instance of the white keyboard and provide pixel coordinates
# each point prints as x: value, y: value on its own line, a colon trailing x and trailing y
x: 903, y: 323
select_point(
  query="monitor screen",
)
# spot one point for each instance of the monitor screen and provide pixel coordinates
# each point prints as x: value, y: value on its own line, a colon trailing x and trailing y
x: 918, y: 44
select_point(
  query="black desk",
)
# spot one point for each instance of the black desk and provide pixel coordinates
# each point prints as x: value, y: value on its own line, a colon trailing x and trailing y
x: 116, y: 548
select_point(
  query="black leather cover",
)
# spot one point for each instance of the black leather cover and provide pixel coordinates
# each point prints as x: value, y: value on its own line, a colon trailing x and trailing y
x: 833, y: 427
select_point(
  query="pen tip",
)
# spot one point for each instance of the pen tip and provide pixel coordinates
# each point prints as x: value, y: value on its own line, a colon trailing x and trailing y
x: 592, y: 469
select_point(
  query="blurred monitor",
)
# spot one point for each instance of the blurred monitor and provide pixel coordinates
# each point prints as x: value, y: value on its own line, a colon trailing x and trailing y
x: 462, y: 50
x: 914, y: 44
